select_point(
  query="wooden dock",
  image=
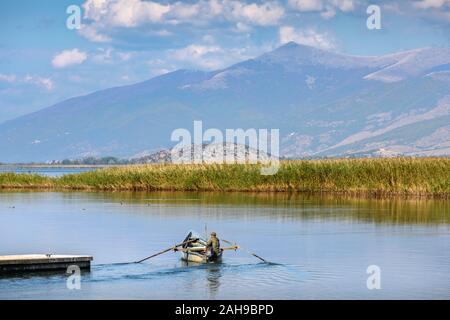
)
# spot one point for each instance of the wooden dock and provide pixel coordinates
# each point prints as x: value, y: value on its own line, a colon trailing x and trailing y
x: 42, y: 262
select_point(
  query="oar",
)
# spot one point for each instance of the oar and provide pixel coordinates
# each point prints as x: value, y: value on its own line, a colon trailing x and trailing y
x: 167, y: 250
x: 199, y: 249
x: 251, y: 253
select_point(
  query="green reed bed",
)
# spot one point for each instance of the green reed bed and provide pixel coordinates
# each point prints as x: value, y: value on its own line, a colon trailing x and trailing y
x: 398, y: 176
x: 12, y: 180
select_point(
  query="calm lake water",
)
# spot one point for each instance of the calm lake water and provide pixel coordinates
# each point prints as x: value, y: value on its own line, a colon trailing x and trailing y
x: 321, y: 246
x: 45, y: 171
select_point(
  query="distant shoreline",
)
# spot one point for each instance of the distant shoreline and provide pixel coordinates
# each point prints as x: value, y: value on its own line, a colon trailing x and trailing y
x: 68, y: 166
x: 422, y: 177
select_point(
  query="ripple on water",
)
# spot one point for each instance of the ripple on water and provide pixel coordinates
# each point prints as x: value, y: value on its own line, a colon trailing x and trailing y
x: 257, y: 275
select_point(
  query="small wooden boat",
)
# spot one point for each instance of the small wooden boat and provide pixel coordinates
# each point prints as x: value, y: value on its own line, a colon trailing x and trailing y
x: 193, y: 249
x: 196, y: 250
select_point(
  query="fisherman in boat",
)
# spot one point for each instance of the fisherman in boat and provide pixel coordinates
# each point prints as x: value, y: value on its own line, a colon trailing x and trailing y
x: 213, y: 246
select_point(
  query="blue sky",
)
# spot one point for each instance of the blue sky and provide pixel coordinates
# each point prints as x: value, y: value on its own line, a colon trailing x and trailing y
x: 126, y: 41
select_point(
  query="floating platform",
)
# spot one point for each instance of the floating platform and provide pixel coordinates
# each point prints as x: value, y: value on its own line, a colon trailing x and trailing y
x: 42, y: 262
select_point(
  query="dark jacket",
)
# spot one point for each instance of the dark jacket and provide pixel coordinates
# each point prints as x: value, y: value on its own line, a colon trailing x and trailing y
x: 214, y: 243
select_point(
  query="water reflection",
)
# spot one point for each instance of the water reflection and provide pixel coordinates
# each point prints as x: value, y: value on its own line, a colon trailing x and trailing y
x: 288, y: 206
x: 211, y: 272
x: 213, y: 276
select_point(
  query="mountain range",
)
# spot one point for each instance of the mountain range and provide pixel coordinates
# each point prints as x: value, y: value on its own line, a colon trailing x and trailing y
x: 324, y: 103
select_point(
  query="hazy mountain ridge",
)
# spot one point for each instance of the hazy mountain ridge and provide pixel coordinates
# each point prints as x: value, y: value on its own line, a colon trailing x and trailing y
x: 324, y: 103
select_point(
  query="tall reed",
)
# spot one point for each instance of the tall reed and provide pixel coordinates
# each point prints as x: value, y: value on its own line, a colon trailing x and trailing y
x: 394, y: 176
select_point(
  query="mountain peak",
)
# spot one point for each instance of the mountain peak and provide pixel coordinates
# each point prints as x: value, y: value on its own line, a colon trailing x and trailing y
x: 294, y: 54
x: 297, y: 48
x: 293, y: 44
x: 333, y: 103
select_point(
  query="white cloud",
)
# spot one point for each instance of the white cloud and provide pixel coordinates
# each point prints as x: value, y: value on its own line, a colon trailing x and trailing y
x: 130, y: 13
x: 103, y: 16
x: 161, y: 33
x: 265, y: 14
x: 207, y: 38
x: 124, y: 13
x: 327, y: 8
x: 328, y: 13
x: 196, y: 51
x: 344, y: 5
x: 185, y: 11
x: 160, y: 72
x: 306, y: 5
x: 46, y: 83
x: 8, y: 77
x: 204, y: 56
x: 208, y: 56
x: 308, y: 37
x: 431, y: 4
x: 125, y: 56
x: 109, y: 55
x: 393, y: 7
x: 242, y: 27
x: 434, y: 9
x: 68, y: 57
x: 103, y: 55
x: 92, y: 34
